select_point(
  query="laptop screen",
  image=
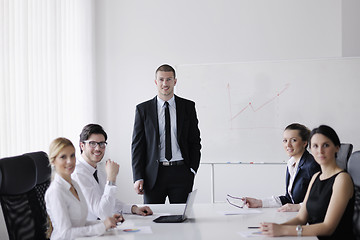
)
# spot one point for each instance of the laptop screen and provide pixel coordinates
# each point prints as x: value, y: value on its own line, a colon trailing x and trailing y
x: 189, y: 204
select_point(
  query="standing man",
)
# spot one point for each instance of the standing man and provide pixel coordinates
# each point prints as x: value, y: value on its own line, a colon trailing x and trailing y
x: 98, y: 184
x: 165, y: 144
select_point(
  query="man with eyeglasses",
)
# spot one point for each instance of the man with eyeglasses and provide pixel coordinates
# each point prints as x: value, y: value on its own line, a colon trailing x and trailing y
x: 97, y: 183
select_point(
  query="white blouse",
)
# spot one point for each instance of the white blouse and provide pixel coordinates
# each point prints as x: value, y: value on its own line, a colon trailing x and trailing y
x: 274, y: 201
x: 68, y: 214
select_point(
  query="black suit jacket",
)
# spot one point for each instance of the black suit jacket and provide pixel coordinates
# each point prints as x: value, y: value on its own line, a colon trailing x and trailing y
x: 306, y: 169
x: 146, y: 140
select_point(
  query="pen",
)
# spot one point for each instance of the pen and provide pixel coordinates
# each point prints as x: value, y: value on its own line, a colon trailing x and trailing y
x: 122, y: 218
x: 253, y: 227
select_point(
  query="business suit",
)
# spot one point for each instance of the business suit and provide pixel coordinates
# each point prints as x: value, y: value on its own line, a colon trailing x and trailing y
x: 306, y: 169
x: 146, y: 146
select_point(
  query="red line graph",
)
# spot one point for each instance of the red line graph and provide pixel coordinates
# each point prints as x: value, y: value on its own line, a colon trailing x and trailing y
x: 250, y: 105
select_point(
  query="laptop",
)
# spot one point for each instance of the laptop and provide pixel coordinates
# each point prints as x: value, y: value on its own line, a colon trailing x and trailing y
x: 179, y: 218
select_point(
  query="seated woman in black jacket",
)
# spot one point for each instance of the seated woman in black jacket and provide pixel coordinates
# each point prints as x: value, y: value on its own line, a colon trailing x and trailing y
x: 300, y: 168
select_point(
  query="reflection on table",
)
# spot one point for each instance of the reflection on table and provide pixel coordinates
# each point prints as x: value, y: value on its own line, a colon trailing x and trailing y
x: 208, y: 221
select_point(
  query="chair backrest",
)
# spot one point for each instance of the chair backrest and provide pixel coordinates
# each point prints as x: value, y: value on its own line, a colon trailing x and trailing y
x: 354, y: 171
x: 344, y: 154
x: 43, y: 179
x: 23, y: 182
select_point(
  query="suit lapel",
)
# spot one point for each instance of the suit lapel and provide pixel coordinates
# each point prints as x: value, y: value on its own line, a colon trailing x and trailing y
x: 179, y: 116
x: 287, y: 178
x: 153, y: 113
x: 301, y: 163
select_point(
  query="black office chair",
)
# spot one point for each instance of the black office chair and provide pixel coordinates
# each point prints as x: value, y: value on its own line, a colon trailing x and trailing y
x: 354, y: 171
x: 23, y: 182
x: 43, y: 179
x: 343, y: 155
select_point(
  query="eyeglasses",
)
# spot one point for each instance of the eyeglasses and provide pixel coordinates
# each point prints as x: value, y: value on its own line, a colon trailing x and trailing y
x: 235, y: 201
x: 93, y: 144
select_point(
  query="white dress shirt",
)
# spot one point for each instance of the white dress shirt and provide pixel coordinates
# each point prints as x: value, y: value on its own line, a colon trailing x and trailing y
x: 274, y: 201
x: 100, y: 197
x: 67, y: 213
x: 175, y: 149
x: 292, y: 166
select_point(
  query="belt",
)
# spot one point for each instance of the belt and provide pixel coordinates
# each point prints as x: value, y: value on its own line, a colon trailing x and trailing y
x: 174, y: 163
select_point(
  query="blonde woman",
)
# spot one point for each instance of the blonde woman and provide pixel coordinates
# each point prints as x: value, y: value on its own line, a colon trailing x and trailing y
x: 65, y: 202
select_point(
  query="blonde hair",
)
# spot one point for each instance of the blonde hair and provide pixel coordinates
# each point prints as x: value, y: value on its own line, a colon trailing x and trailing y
x: 50, y: 227
x: 56, y: 146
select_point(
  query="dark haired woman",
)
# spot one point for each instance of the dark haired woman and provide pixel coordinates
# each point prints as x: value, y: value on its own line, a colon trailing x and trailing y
x: 300, y: 168
x: 329, y: 202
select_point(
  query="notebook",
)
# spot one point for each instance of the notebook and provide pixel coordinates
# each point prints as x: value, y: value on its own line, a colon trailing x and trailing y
x: 179, y: 218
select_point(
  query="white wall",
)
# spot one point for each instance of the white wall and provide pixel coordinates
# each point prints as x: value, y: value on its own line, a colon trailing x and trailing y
x: 351, y: 33
x: 134, y: 37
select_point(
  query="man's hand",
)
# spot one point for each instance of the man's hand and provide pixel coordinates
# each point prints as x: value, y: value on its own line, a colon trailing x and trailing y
x: 139, y: 187
x: 112, y: 170
x: 143, y: 211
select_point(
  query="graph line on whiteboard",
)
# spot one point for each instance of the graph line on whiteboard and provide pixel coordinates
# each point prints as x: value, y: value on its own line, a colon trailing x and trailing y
x: 250, y: 105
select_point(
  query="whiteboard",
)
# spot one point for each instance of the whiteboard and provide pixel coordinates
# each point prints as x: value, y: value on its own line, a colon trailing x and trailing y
x: 243, y: 107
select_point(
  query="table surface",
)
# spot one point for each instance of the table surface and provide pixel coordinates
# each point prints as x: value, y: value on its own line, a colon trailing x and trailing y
x: 207, y: 221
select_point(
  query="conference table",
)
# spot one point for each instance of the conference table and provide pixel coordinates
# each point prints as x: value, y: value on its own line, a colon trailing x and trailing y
x: 207, y: 221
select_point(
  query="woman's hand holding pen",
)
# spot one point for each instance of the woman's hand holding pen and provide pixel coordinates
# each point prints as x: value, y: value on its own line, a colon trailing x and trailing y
x: 119, y: 217
x: 111, y: 222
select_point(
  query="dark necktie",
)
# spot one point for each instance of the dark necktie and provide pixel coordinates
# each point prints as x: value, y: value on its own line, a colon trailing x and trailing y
x: 168, y: 153
x: 95, y: 176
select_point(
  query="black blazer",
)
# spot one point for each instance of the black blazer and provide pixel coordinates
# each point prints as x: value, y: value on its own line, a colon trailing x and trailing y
x: 306, y: 169
x: 146, y: 141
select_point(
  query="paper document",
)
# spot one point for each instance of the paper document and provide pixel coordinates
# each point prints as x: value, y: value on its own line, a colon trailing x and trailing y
x: 243, y: 211
x: 136, y: 230
x: 249, y: 234
x: 122, y: 230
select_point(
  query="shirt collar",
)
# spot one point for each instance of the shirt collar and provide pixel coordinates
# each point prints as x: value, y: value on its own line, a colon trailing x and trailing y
x: 90, y: 168
x: 61, y: 181
x: 171, y: 101
x: 291, y: 162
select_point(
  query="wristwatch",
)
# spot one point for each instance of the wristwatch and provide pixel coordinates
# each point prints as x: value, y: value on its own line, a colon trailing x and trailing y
x: 110, y: 183
x: 299, y: 230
